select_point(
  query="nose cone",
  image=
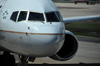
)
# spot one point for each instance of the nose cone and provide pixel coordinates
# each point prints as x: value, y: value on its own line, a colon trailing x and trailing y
x: 46, y: 40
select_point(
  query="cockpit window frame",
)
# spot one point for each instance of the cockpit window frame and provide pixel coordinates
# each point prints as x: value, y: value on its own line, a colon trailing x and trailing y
x: 19, y: 15
x: 37, y: 12
x: 11, y: 17
x: 58, y: 17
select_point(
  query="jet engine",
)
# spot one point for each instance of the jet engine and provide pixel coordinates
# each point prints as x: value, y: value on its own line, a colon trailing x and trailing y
x: 68, y: 49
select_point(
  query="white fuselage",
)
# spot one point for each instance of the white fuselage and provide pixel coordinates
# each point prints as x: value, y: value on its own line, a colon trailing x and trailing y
x: 32, y: 38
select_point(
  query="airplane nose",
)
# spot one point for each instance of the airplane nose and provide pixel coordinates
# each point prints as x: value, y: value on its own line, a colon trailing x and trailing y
x: 46, y: 40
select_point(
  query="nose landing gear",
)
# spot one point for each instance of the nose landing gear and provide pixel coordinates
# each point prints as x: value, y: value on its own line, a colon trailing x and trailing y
x: 24, y: 60
x: 6, y: 59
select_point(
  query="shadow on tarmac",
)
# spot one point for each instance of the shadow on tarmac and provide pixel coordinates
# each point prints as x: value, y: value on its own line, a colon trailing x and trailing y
x: 80, y: 64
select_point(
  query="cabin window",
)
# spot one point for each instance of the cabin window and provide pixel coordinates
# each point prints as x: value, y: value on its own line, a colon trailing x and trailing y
x: 33, y: 16
x: 22, y: 16
x: 14, y: 16
x: 51, y: 17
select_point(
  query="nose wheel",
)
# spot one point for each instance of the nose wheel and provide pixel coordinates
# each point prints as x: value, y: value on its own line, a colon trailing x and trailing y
x: 24, y: 60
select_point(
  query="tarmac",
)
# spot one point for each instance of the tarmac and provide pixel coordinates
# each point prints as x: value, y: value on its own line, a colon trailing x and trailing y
x: 81, y: 9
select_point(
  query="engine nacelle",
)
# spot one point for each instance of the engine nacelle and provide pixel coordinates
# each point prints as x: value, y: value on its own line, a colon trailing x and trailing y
x: 68, y: 49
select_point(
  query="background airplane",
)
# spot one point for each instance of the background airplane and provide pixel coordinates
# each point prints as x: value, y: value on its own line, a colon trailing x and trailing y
x: 35, y: 28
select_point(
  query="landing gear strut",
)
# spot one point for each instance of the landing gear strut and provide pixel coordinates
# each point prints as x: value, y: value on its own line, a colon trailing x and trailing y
x: 24, y: 61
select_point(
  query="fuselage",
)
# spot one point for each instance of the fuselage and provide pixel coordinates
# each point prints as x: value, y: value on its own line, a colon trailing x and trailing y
x: 31, y: 27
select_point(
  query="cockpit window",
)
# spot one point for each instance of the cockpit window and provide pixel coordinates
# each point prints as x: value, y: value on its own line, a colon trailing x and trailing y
x: 14, y: 16
x: 51, y: 17
x: 59, y: 16
x: 22, y: 16
x: 33, y: 16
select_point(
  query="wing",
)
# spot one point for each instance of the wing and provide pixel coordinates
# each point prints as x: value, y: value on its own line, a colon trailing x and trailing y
x: 80, y: 18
